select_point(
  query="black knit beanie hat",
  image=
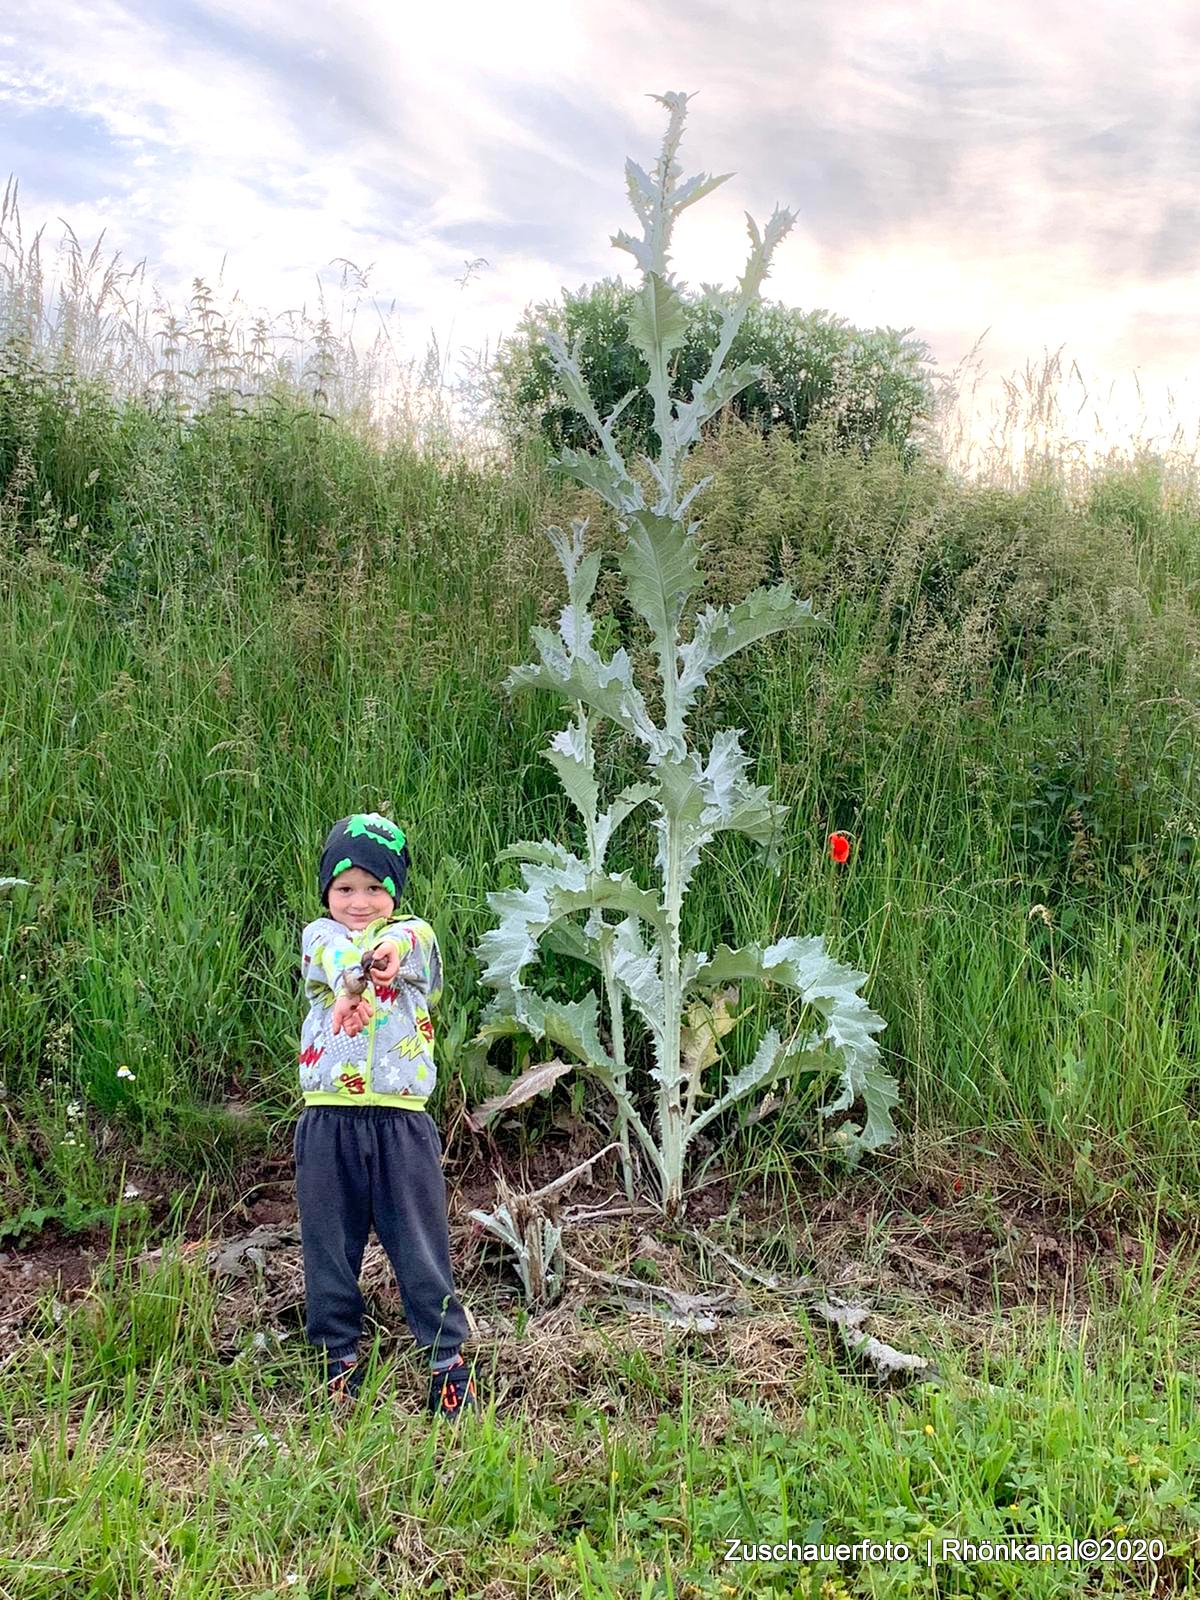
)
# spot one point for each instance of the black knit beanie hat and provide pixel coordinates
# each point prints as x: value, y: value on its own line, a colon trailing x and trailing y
x: 369, y: 841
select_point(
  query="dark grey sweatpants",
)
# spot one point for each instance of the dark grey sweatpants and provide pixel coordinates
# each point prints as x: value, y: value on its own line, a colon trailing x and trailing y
x: 363, y: 1165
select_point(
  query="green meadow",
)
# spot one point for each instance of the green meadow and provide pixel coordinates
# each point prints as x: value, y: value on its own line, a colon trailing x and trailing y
x: 223, y: 628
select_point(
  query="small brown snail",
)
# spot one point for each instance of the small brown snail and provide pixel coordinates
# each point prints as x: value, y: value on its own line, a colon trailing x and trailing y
x: 359, y: 976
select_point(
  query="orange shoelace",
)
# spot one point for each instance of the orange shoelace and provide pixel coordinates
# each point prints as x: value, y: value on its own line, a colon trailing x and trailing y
x: 337, y: 1386
x: 449, y: 1395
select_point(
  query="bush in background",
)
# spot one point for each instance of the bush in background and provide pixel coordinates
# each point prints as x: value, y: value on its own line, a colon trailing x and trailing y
x: 873, y: 384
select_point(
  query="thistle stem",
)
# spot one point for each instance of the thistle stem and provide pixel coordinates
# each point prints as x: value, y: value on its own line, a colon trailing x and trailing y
x: 670, y: 1109
x: 612, y: 992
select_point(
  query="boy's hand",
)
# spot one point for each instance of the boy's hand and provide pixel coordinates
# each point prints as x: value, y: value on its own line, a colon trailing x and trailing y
x: 386, y: 962
x: 352, y: 1012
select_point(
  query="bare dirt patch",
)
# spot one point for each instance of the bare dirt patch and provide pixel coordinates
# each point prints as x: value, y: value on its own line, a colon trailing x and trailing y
x: 963, y: 1245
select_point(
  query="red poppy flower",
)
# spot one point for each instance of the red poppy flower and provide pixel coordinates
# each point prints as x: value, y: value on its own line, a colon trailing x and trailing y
x: 839, y: 847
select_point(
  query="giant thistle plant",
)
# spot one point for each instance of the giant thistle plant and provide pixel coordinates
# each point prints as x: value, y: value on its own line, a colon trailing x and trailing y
x: 680, y: 995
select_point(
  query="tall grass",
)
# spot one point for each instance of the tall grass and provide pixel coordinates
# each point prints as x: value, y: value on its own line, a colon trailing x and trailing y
x: 266, y: 621
x: 86, y: 316
x: 228, y: 621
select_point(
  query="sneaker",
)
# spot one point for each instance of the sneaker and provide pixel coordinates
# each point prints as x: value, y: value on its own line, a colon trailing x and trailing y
x: 452, y: 1392
x: 343, y: 1379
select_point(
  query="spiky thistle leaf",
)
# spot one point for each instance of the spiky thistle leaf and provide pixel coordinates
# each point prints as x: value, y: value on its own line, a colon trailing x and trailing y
x: 698, y: 802
x: 659, y: 563
x: 557, y: 884
x: 572, y: 1025
x: 657, y: 321
x: 721, y: 633
x: 832, y: 990
x: 605, y: 686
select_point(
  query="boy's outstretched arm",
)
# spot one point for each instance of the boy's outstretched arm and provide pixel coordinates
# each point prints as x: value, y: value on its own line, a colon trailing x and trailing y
x: 419, y: 959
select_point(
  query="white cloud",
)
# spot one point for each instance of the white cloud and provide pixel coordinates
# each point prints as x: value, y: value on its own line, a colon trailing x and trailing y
x: 1024, y: 168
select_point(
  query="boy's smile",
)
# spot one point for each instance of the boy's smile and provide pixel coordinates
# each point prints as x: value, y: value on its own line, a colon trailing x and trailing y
x: 356, y: 898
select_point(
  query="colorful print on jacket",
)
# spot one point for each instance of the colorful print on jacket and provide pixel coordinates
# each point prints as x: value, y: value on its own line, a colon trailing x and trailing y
x: 390, y: 1062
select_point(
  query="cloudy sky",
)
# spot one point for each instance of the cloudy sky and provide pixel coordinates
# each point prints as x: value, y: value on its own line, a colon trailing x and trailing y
x: 1020, y: 168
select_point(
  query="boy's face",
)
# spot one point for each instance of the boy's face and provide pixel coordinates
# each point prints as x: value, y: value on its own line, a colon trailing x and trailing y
x: 356, y: 898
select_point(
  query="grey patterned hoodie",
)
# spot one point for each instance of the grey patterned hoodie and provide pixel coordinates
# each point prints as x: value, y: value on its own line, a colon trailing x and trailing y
x: 390, y: 1063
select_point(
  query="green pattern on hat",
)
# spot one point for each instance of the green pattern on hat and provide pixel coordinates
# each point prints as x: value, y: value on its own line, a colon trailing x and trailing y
x: 382, y: 829
x: 342, y: 865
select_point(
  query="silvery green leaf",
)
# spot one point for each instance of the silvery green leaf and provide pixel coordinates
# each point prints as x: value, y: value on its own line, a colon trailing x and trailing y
x: 716, y: 387
x: 494, y: 1023
x: 683, y: 805
x: 740, y: 806
x: 637, y: 971
x: 641, y: 252
x: 567, y: 756
x: 609, y: 479
x: 620, y: 406
x: 613, y: 891
x: 505, y: 951
x: 832, y: 990
x: 9, y: 883
x: 525, y: 914
x: 758, y: 266
x: 720, y: 633
x: 500, y: 1223
x: 708, y: 396
x: 657, y: 325
x: 698, y: 487
x: 611, y: 820
x: 657, y: 200
x: 575, y: 624
x: 696, y: 188
x: 692, y: 961
x: 660, y: 207
x: 567, y: 365
x: 579, y: 570
x: 721, y: 300
x: 657, y: 322
x: 545, y: 851
x: 880, y: 1094
x: 606, y: 686
x: 557, y: 884
x: 704, y: 801
x: 570, y: 1024
x: 659, y: 563
x: 771, y: 1061
x: 567, y: 938
x: 641, y: 190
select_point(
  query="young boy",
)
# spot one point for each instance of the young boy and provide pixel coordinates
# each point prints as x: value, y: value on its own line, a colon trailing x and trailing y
x: 366, y: 1150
